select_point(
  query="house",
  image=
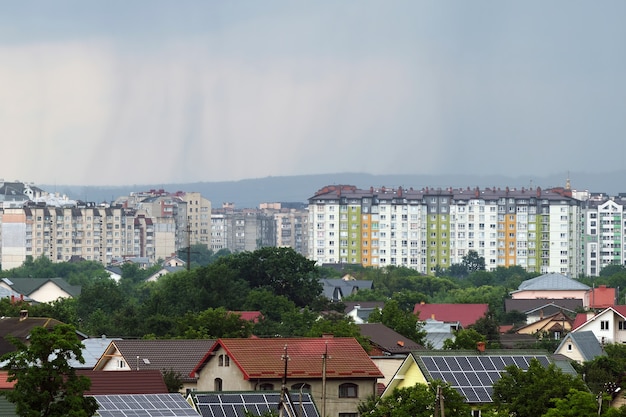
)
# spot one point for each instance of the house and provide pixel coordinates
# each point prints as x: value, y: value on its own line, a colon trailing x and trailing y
x: 235, y: 404
x: 460, y: 316
x: 251, y: 316
x: 609, y: 325
x: 437, y: 332
x: 553, y: 326
x: 133, y: 405
x: 338, y: 365
x: 178, y: 355
x: 336, y: 289
x: 20, y: 328
x: 174, y: 261
x: 389, y: 348
x: 580, y: 346
x: 115, y: 272
x: 166, y: 269
x: 41, y: 290
x: 471, y: 373
x: 360, y: 311
x: 553, y: 286
x: 602, y: 297
x: 93, y: 349
x: 535, y: 308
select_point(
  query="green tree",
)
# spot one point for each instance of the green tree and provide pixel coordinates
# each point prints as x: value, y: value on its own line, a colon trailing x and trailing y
x: 173, y: 380
x: 529, y: 393
x: 282, y: 270
x: 464, y: 339
x: 575, y: 404
x: 416, y: 401
x: 339, y: 326
x: 45, y: 384
x: 404, y: 322
x: 213, y: 324
x: 473, y: 262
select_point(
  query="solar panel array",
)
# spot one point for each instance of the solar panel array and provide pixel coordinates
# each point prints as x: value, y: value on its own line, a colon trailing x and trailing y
x: 235, y: 404
x: 473, y: 376
x: 144, y: 405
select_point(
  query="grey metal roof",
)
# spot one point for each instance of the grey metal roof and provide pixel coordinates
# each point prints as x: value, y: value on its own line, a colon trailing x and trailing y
x: 94, y: 348
x: 552, y: 281
x: 336, y: 289
x: 586, y: 343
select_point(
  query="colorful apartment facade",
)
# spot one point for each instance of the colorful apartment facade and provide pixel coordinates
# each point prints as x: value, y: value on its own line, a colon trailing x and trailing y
x: 430, y: 228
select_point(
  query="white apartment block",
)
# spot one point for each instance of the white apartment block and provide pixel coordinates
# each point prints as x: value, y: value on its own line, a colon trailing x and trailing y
x: 429, y: 228
x: 604, y: 233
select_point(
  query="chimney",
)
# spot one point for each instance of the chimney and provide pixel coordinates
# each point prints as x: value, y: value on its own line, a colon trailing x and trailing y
x: 23, y: 314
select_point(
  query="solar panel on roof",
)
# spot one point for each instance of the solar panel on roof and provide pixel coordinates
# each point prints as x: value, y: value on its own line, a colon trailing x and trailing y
x: 213, y: 405
x: 474, y: 376
x: 143, y: 405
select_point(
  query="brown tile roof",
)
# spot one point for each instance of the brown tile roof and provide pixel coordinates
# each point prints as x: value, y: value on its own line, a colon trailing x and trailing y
x: 466, y: 314
x: 179, y: 355
x: 125, y: 382
x: 387, y: 339
x: 21, y: 328
x: 263, y: 357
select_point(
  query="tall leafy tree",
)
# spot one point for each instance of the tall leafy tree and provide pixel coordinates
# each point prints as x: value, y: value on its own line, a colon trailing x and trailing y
x: 402, y: 321
x: 45, y: 383
x: 530, y: 393
x: 281, y: 270
x: 473, y: 262
x: 420, y: 400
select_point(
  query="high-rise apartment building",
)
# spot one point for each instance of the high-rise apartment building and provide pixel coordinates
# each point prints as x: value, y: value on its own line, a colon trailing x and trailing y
x: 604, y: 232
x: 429, y: 228
x: 241, y: 230
x: 92, y: 232
x: 291, y: 225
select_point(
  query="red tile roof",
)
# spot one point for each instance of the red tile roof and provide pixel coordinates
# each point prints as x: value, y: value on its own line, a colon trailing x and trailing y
x: 253, y: 316
x: 466, y: 314
x: 125, y: 382
x: 263, y: 357
x: 579, y: 320
x: 4, y: 384
x: 602, y: 297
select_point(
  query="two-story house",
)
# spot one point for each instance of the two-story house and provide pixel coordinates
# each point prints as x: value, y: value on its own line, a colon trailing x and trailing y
x: 337, y: 372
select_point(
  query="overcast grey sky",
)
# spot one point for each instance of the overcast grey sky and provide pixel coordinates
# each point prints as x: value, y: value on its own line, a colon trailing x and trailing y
x: 147, y: 91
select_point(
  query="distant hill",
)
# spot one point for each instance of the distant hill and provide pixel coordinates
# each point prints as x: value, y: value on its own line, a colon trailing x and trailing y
x: 249, y: 193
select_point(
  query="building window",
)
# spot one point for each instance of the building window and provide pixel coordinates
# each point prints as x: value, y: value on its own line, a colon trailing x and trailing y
x: 622, y: 325
x: 223, y: 360
x: 301, y: 387
x: 604, y: 325
x: 266, y: 387
x: 348, y: 390
x: 217, y: 384
x: 348, y: 414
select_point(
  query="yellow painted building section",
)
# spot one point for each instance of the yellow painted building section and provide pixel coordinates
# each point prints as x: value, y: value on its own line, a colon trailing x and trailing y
x: 366, y: 246
x: 510, y: 240
x: 412, y: 376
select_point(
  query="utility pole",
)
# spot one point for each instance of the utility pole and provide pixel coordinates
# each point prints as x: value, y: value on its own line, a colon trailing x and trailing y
x: 283, y: 389
x: 324, y: 359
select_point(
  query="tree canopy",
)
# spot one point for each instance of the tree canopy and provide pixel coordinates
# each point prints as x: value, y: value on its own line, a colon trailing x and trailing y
x: 45, y: 383
x: 420, y: 400
x: 530, y: 393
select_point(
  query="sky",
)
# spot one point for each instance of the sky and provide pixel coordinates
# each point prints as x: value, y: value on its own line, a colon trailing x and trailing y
x: 124, y: 92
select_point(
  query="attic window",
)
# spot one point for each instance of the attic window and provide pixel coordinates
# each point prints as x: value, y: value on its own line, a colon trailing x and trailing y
x: 223, y: 360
